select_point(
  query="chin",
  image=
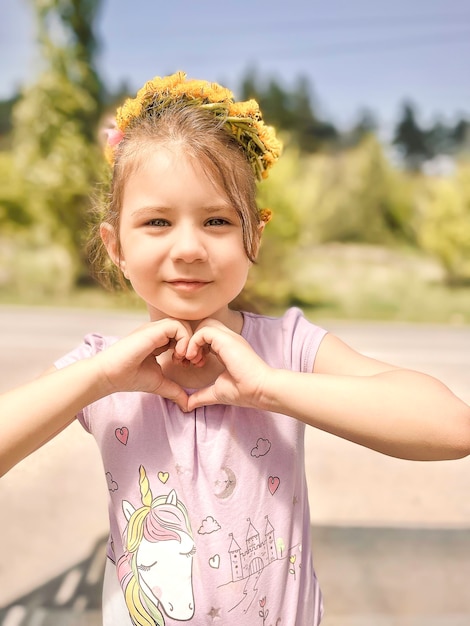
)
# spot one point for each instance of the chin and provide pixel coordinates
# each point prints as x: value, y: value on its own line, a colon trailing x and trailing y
x: 181, y: 314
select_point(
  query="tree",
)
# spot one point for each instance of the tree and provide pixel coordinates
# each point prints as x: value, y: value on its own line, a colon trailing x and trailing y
x: 461, y: 135
x: 365, y: 126
x: 56, y: 121
x: 6, y: 108
x: 290, y: 111
x: 410, y: 138
x: 310, y: 132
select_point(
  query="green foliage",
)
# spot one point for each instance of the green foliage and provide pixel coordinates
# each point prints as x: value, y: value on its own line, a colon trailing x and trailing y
x: 69, y: 45
x: 280, y: 193
x: 54, y: 138
x: 6, y: 107
x: 352, y: 196
x: 444, y: 222
x: 32, y: 267
x: 13, y: 206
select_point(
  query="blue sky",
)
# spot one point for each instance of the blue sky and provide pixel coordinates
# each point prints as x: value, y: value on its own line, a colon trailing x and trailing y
x: 355, y: 53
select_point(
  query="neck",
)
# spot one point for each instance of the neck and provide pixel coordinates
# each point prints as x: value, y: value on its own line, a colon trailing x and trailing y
x: 231, y: 319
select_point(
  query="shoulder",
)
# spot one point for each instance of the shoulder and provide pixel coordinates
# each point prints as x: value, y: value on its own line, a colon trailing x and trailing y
x: 293, y: 321
x: 92, y: 344
x: 291, y: 337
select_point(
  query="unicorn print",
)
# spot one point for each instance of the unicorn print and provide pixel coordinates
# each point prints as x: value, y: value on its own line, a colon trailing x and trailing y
x: 155, y: 572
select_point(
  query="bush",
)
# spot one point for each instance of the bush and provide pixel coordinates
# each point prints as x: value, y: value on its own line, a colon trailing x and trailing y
x: 444, y: 222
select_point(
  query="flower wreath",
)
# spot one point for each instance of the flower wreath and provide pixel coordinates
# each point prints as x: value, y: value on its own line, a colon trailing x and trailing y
x: 242, y: 119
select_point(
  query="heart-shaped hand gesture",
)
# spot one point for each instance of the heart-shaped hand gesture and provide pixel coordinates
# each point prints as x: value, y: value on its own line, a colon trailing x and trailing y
x: 131, y: 364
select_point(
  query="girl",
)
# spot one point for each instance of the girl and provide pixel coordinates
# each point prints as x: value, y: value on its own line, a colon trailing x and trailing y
x: 200, y: 414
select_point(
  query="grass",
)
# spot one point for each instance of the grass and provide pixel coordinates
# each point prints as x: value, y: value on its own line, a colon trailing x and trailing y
x: 375, y: 283
x: 334, y: 281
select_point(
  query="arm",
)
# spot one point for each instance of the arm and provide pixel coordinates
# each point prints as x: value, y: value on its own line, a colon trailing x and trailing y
x: 398, y: 412
x: 34, y: 413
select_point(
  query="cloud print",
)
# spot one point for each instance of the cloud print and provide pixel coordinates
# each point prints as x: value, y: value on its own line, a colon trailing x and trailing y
x: 209, y: 525
x: 112, y: 484
x: 263, y: 446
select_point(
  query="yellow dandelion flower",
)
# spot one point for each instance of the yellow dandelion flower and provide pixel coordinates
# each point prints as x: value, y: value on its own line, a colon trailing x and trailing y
x: 216, y: 93
x: 267, y: 135
x: 249, y: 108
x: 244, y: 119
x: 129, y: 110
x: 171, y: 81
x: 269, y: 158
x: 151, y: 87
x: 196, y: 88
x: 265, y: 215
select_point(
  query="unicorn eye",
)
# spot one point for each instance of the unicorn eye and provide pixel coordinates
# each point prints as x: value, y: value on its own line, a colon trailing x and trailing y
x: 146, y: 568
x: 192, y: 552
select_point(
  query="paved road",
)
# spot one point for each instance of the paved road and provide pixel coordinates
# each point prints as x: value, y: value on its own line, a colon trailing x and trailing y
x: 53, y: 504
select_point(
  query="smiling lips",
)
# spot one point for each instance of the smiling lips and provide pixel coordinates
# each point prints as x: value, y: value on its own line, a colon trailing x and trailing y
x: 187, y: 284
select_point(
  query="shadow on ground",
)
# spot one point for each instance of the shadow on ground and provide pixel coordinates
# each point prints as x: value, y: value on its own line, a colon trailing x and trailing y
x: 369, y: 577
x: 71, y: 599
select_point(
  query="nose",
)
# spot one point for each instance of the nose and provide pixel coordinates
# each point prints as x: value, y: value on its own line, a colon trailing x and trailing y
x: 188, y: 244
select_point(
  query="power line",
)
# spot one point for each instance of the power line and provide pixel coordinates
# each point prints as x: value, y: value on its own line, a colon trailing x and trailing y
x: 277, y: 27
x: 329, y: 49
x: 320, y: 50
x: 383, y: 20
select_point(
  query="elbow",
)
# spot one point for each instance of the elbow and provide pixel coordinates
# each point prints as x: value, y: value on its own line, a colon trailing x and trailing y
x: 460, y: 445
x: 462, y: 449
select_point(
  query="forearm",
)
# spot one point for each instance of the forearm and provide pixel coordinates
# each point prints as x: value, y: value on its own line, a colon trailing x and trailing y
x: 400, y: 413
x: 32, y: 414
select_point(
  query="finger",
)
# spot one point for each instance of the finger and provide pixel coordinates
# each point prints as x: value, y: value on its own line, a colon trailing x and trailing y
x: 167, y: 331
x: 161, y: 349
x: 202, y: 341
x: 202, y: 397
x: 172, y: 391
x: 201, y: 357
x: 211, y: 322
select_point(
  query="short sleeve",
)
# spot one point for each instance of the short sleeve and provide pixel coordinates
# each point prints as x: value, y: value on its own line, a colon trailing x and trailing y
x: 92, y: 344
x: 301, y: 340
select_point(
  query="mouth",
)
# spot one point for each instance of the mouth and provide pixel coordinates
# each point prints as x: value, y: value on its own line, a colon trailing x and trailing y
x: 187, y: 284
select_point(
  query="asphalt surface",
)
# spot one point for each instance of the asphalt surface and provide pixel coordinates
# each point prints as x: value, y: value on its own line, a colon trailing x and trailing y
x: 391, y: 537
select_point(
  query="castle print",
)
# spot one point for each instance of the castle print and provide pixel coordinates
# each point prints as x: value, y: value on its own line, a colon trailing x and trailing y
x: 258, y: 554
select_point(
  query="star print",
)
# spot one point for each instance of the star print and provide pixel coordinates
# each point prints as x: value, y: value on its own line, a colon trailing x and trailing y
x: 295, y: 500
x: 214, y: 613
x: 179, y: 469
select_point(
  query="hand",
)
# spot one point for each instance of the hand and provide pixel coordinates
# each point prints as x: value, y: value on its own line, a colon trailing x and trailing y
x: 241, y: 383
x: 131, y: 365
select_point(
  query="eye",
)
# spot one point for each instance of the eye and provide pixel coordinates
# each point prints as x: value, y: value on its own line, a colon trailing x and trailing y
x: 192, y: 552
x: 159, y: 222
x: 217, y: 221
x: 146, y: 568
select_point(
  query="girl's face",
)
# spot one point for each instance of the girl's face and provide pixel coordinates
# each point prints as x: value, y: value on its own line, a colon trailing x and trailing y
x: 180, y: 241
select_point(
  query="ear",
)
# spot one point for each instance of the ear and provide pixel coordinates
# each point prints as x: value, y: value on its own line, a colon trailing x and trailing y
x: 127, y: 509
x: 172, y: 498
x: 111, y: 242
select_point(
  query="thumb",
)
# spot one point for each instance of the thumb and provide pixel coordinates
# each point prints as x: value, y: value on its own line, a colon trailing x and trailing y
x: 202, y: 397
x: 172, y: 391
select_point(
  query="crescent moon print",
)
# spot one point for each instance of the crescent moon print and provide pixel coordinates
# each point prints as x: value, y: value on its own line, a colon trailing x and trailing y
x: 227, y: 483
